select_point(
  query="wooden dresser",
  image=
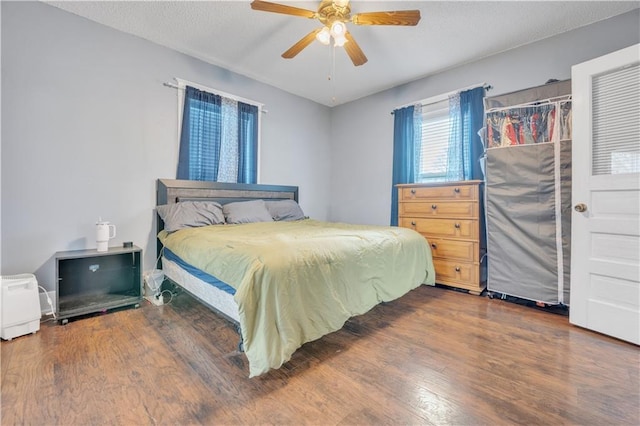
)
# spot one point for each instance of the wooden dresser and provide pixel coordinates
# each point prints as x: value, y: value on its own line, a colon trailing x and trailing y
x: 450, y: 216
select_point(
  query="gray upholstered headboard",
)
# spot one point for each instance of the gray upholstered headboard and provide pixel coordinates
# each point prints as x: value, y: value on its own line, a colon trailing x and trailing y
x: 171, y: 191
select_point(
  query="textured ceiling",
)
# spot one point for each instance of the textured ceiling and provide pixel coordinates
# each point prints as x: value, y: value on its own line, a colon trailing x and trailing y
x: 232, y: 35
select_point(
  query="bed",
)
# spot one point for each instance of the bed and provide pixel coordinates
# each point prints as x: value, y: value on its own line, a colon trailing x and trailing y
x: 283, y: 282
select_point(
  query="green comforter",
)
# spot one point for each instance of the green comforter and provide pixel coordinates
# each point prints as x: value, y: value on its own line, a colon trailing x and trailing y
x: 297, y: 281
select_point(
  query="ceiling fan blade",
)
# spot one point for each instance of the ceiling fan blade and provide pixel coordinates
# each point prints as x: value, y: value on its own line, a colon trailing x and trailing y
x: 281, y: 8
x: 304, y: 42
x: 398, y: 17
x: 353, y: 50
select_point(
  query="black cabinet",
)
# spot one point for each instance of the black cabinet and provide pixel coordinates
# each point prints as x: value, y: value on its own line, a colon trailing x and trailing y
x: 89, y: 281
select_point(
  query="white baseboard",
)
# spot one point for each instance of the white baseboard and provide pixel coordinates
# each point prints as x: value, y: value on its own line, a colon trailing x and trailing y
x: 44, y: 305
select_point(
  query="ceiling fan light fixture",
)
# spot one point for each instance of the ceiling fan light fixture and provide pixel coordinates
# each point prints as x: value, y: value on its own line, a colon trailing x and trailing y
x: 324, y: 36
x: 339, y: 41
x: 338, y: 29
x: 341, y: 3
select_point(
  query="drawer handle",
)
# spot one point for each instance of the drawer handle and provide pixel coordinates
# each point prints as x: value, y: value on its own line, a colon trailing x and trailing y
x: 457, y: 269
x: 457, y: 225
x: 413, y: 192
x: 434, y: 246
x: 413, y: 223
x: 456, y: 190
x: 433, y: 206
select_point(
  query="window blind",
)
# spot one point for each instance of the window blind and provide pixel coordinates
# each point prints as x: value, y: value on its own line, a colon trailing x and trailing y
x: 616, y: 121
x: 435, y: 142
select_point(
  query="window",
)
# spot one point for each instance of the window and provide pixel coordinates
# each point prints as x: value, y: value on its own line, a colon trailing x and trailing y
x: 433, y: 153
x: 450, y: 148
x: 437, y: 140
x: 615, y: 124
x: 218, y: 137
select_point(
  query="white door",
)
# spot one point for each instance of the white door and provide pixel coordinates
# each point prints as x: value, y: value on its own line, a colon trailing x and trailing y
x: 605, y: 242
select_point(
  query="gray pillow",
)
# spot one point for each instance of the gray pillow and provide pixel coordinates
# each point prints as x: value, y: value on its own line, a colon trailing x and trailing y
x: 246, y: 212
x: 287, y: 210
x: 190, y: 214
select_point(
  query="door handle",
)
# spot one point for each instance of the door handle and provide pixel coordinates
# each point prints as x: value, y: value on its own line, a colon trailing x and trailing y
x: 580, y: 207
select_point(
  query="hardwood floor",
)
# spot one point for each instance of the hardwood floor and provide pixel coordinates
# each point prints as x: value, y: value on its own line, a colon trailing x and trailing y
x: 434, y: 356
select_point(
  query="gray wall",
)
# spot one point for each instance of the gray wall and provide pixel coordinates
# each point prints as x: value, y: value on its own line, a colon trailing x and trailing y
x: 362, y: 131
x: 88, y: 127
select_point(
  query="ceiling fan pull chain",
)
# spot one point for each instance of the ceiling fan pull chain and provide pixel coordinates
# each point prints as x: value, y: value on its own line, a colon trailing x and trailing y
x: 333, y: 74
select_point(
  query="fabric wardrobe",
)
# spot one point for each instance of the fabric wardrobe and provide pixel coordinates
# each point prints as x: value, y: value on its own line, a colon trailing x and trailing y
x: 528, y: 193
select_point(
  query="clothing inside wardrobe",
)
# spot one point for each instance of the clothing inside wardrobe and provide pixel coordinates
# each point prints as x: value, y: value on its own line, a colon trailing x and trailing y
x: 542, y: 121
x: 521, y: 125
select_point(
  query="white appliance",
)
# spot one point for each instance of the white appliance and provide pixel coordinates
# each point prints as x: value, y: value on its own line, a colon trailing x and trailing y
x: 20, y: 305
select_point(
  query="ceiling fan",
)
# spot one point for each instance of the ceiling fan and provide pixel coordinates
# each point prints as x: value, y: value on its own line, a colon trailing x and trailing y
x: 334, y: 14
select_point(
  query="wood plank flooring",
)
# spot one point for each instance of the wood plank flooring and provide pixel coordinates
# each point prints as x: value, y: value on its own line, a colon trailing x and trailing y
x: 434, y: 356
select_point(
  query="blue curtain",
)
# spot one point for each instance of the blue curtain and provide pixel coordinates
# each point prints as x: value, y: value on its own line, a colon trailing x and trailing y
x: 404, y: 133
x: 200, y: 137
x: 202, y: 133
x: 247, y: 143
x: 466, y: 111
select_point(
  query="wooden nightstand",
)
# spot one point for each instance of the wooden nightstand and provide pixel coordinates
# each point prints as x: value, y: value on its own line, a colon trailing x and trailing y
x: 450, y: 216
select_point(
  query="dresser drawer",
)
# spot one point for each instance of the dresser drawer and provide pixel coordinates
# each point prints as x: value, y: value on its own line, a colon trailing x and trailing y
x: 459, y: 274
x: 454, y: 249
x: 452, y: 228
x: 452, y: 192
x: 440, y: 209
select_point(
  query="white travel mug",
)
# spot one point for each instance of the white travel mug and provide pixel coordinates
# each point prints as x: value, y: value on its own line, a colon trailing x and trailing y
x: 104, y: 232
